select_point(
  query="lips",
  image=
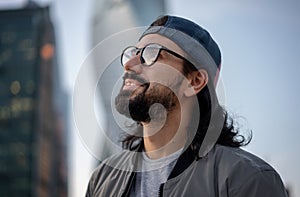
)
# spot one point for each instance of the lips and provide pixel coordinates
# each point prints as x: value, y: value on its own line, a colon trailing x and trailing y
x: 133, y: 81
x: 131, y: 84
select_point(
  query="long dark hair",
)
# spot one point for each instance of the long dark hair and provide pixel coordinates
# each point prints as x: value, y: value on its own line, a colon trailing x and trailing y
x: 209, y: 107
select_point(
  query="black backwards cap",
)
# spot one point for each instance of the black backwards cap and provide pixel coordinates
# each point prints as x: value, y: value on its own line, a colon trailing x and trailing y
x: 200, y: 48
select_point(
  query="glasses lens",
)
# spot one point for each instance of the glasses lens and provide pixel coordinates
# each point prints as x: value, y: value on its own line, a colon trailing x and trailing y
x: 150, y: 54
x: 127, y: 54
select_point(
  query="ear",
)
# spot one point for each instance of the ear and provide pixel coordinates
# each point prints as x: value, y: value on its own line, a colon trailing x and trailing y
x: 197, y: 81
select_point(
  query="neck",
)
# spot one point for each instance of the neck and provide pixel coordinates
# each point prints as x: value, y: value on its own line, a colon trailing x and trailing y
x: 164, y: 137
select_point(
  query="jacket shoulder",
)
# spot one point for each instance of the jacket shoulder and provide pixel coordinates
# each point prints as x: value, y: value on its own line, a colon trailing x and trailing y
x: 237, y: 157
x: 246, y: 174
x: 118, y: 165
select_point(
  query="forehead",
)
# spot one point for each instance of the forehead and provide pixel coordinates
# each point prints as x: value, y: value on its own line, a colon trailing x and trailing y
x: 159, y: 39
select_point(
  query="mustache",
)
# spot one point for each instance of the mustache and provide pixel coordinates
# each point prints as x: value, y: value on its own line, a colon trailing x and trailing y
x: 134, y: 77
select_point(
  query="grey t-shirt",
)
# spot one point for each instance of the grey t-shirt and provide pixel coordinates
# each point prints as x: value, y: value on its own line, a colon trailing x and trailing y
x: 154, y: 173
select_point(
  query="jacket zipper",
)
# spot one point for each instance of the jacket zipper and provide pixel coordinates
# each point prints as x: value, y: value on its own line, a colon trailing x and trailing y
x: 160, y: 191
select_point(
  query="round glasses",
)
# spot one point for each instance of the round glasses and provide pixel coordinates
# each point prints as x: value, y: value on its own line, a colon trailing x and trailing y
x: 148, y: 54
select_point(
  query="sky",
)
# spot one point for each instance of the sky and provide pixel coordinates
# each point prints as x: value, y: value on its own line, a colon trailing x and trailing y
x: 260, y: 47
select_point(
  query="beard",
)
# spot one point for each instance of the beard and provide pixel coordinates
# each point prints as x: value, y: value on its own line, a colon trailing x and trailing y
x: 139, y: 103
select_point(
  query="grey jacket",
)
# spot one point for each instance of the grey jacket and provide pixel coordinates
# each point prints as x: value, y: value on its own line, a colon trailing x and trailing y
x: 223, y: 172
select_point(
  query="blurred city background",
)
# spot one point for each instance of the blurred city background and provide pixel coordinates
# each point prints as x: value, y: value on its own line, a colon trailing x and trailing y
x: 43, y: 44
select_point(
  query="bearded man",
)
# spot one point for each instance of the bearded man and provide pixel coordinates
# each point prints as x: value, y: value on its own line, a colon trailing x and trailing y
x: 185, y: 144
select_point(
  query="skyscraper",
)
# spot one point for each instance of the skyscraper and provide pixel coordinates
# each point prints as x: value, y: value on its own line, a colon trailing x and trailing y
x: 33, y: 160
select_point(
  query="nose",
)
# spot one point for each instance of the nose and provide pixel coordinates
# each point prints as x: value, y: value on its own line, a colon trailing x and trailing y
x: 134, y: 64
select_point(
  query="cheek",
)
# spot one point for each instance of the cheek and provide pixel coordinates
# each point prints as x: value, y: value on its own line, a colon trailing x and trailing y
x: 164, y: 74
x: 173, y: 84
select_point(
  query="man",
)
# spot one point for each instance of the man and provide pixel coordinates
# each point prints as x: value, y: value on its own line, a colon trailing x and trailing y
x: 184, y: 143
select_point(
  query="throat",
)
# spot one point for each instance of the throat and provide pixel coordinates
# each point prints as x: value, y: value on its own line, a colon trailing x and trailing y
x: 165, y: 141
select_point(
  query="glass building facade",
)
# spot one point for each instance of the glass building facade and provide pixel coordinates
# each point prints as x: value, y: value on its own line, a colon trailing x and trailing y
x: 32, y: 129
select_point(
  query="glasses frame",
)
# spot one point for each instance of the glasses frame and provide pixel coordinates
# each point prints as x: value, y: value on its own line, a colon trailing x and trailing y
x: 158, y: 46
